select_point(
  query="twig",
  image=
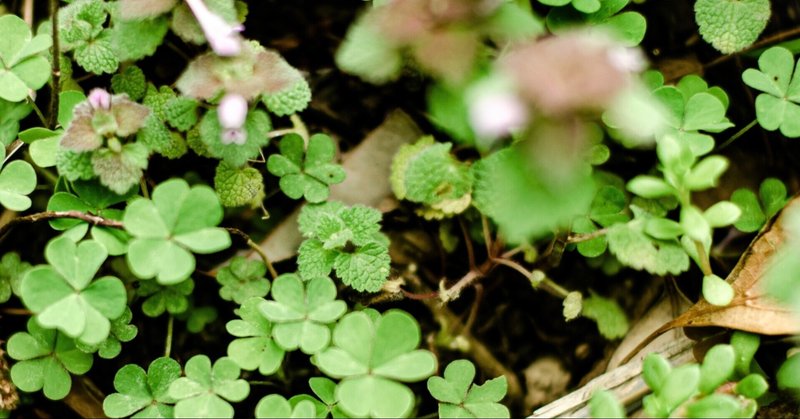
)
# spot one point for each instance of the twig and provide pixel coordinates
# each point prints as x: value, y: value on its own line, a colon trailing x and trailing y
x: 49, y: 215
x: 487, y: 236
x: 468, y: 244
x: 473, y: 311
x: 253, y: 245
x: 454, y: 292
x: 762, y: 43
x: 54, y: 92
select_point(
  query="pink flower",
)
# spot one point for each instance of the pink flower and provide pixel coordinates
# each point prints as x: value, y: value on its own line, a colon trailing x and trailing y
x: 100, y: 99
x: 223, y: 37
x: 496, y: 114
x: 232, y: 113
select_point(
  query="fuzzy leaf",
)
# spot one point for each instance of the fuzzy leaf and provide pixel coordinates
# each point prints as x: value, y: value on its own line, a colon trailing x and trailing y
x: 366, y: 269
x: 289, y: 101
x: 120, y: 171
x: 130, y: 81
x: 257, y: 126
x: 133, y: 40
x: 97, y: 57
x: 238, y: 186
x: 731, y: 25
x: 611, y: 320
x: 633, y: 248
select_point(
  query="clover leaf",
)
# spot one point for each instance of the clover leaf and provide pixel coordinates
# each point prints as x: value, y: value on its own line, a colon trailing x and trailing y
x: 11, y: 113
x: 121, y: 331
x: 92, y: 198
x: 345, y: 239
x: 779, y: 106
x: 143, y: 395
x: 11, y: 271
x: 731, y: 25
x: 242, y: 279
x: 276, y: 406
x: 607, y: 208
x: 306, y: 173
x: 46, y: 358
x: 459, y: 397
x: 371, y: 356
x: 197, y: 318
x: 325, y: 389
x: 170, y: 298
x: 693, y: 109
x: 628, y: 27
x: 17, y: 179
x: 65, y: 296
x: 302, y: 311
x: 177, y: 221
x: 255, y: 347
x: 22, y: 64
x: 206, y: 390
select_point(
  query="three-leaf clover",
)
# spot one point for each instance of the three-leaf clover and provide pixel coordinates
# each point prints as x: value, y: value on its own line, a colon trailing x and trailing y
x: 64, y: 295
x: 92, y: 198
x: 46, y: 358
x: 22, y: 64
x: 143, y: 395
x: 121, y: 331
x: 206, y: 390
x: 754, y: 213
x: 779, y: 106
x: 242, y: 279
x: 345, y: 239
x: 302, y: 311
x: 177, y: 221
x: 255, y: 347
x: 11, y: 272
x: 306, y: 173
x: 371, y: 356
x: 17, y: 180
x: 459, y: 398
x: 276, y: 406
x: 628, y: 27
x: 160, y: 298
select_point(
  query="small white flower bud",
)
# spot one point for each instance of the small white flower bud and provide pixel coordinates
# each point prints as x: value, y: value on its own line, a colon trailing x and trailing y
x: 223, y: 37
x: 497, y: 114
x: 100, y: 99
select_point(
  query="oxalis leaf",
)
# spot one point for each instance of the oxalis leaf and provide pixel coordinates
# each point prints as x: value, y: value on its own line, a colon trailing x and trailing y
x: 160, y: 298
x: 64, y: 295
x: 17, y: 180
x: 206, y: 390
x: 143, y: 394
x: 301, y: 312
x: 604, y: 15
x: 731, y: 25
x: 242, y: 279
x: 371, y: 355
x: 779, y: 106
x: 306, y: 173
x: 459, y: 397
x: 11, y: 271
x: 255, y: 348
x: 46, y: 359
x: 121, y: 331
x: 166, y: 230
x: 22, y: 64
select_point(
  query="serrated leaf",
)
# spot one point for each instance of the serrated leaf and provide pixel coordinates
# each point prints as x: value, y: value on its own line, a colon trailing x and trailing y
x: 130, y: 81
x: 731, y: 25
x: 366, y: 269
x: 97, y: 56
x: 238, y: 186
x: 633, y: 248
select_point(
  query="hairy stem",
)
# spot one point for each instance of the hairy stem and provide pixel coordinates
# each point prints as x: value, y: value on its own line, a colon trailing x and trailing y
x: 56, y: 68
x: 582, y: 237
x: 50, y: 215
x: 253, y: 245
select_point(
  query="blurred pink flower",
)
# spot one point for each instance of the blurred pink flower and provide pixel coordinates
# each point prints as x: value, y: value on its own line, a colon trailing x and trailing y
x: 232, y: 113
x: 497, y: 114
x: 100, y: 99
x: 223, y: 37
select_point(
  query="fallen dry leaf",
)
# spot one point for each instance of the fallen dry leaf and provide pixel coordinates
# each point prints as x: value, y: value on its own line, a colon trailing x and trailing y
x: 751, y: 310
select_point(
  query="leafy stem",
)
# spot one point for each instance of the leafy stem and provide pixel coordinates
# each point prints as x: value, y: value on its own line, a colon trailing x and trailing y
x: 253, y: 245
x: 49, y: 215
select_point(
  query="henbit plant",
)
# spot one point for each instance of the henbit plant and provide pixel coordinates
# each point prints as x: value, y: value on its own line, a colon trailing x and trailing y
x: 725, y: 385
x: 730, y: 25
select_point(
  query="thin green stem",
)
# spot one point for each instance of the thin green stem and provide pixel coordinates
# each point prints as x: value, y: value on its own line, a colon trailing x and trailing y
x: 143, y: 187
x: 738, y: 134
x: 38, y: 112
x: 705, y: 263
x: 546, y: 283
x: 168, y: 344
x: 300, y: 127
